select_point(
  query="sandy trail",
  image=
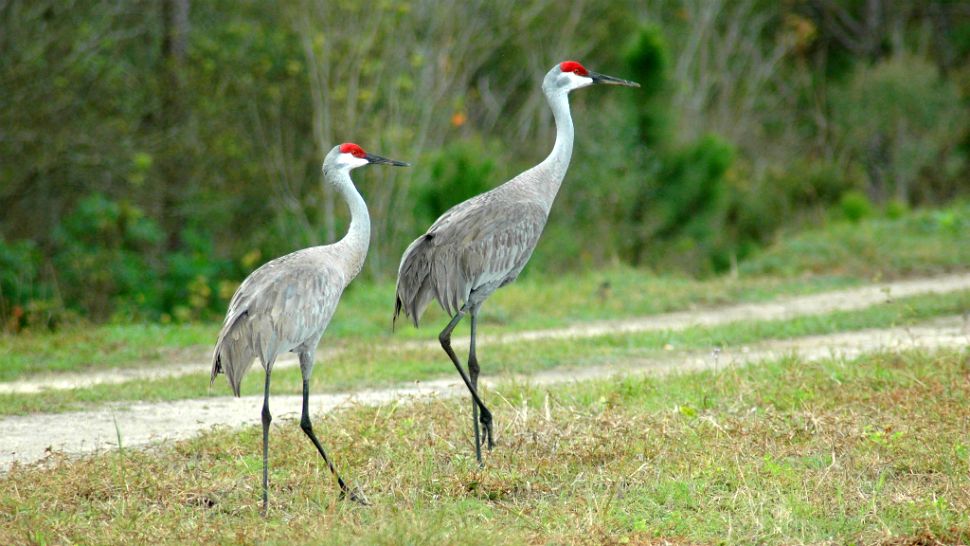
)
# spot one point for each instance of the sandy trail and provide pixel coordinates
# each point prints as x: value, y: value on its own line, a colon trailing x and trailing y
x: 781, y: 309
x: 29, y: 438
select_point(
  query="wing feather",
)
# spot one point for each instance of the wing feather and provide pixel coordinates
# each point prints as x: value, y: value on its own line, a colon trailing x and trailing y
x: 280, y: 306
x: 481, y: 244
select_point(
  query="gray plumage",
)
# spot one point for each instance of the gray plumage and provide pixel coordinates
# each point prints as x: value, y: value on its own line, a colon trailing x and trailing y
x: 286, y: 304
x: 283, y: 306
x: 482, y: 244
x: 474, y: 248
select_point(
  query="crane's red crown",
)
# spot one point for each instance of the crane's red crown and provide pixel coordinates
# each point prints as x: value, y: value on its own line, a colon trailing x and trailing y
x: 574, y: 67
x: 352, y: 149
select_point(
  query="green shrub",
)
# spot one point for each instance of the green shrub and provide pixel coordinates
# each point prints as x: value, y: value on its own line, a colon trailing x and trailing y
x: 460, y: 170
x: 900, y: 120
x: 26, y: 300
x: 648, y: 61
x: 855, y: 206
x: 191, y: 281
x: 896, y: 209
x: 683, y: 208
x: 102, y: 257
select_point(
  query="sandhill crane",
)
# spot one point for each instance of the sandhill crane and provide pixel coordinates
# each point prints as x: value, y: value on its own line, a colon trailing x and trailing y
x: 286, y: 304
x: 483, y: 243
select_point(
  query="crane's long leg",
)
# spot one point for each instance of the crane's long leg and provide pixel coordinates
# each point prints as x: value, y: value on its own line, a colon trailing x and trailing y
x: 473, y: 369
x: 486, y: 416
x: 306, y: 365
x: 267, y: 419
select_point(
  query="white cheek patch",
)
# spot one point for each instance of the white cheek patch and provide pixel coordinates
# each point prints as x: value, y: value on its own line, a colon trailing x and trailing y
x: 576, y: 81
x: 350, y: 161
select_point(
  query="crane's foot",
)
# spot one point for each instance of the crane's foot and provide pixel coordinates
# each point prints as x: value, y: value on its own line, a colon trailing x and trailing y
x: 486, y: 420
x: 355, y: 496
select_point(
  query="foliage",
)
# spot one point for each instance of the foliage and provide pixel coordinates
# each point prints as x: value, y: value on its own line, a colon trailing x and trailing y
x: 460, y: 170
x: 24, y: 298
x: 903, y: 121
x: 101, y: 256
x: 214, y: 132
x: 879, y: 246
x: 855, y: 206
x: 649, y: 63
x: 683, y: 209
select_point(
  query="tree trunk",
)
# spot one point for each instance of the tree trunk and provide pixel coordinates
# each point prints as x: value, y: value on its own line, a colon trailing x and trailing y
x: 175, y: 15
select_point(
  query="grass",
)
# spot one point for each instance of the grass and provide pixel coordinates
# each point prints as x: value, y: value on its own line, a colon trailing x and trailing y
x: 922, y: 242
x: 363, y: 365
x: 837, y: 255
x: 365, y: 314
x: 868, y: 451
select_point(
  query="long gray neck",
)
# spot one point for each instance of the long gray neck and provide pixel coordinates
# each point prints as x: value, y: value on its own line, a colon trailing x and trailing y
x: 547, y: 176
x: 353, y: 246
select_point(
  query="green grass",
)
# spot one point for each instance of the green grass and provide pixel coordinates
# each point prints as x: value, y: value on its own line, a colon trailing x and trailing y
x: 838, y: 255
x: 922, y: 242
x: 365, y: 314
x: 863, y: 451
x: 363, y: 365
x: 99, y: 347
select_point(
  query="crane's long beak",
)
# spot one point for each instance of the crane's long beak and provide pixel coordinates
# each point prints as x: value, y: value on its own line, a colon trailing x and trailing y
x: 610, y: 80
x: 376, y: 159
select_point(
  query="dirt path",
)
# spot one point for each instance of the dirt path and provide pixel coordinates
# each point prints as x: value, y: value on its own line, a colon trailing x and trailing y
x: 781, y: 309
x: 29, y: 438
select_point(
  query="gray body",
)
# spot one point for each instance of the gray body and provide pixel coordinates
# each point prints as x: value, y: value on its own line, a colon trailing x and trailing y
x: 287, y: 303
x: 283, y: 306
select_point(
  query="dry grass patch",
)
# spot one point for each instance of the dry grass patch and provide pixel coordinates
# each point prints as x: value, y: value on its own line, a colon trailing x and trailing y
x: 869, y: 451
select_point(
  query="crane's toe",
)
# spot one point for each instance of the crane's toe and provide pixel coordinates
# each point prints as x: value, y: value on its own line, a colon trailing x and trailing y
x: 356, y: 495
x: 486, y: 420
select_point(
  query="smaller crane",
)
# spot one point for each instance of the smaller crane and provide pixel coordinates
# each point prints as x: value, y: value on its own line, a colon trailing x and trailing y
x: 287, y: 303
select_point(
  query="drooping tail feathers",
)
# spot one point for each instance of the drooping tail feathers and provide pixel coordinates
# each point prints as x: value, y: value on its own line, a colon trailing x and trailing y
x: 233, y: 354
x: 414, y: 290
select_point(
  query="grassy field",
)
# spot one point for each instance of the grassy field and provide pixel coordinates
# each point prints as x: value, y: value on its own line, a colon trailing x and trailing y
x: 363, y: 365
x: 365, y: 315
x: 873, y: 450
x: 919, y: 242
x: 835, y: 256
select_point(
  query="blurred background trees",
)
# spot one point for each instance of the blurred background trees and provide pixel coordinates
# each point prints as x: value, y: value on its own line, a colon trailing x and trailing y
x: 153, y: 153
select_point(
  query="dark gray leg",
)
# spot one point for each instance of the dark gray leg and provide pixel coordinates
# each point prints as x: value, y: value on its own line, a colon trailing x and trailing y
x: 267, y: 419
x: 486, y: 416
x: 473, y: 370
x: 306, y: 364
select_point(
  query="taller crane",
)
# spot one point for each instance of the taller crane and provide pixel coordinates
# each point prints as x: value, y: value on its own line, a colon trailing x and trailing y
x: 482, y: 244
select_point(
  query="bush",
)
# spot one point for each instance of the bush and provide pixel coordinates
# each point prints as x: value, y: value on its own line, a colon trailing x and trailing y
x: 648, y: 60
x: 460, y: 170
x: 191, y: 281
x: 855, y: 206
x: 683, y: 209
x: 901, y: 120
x: 782, y: 198
x: 26, y: 301
x: 102, y: 257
